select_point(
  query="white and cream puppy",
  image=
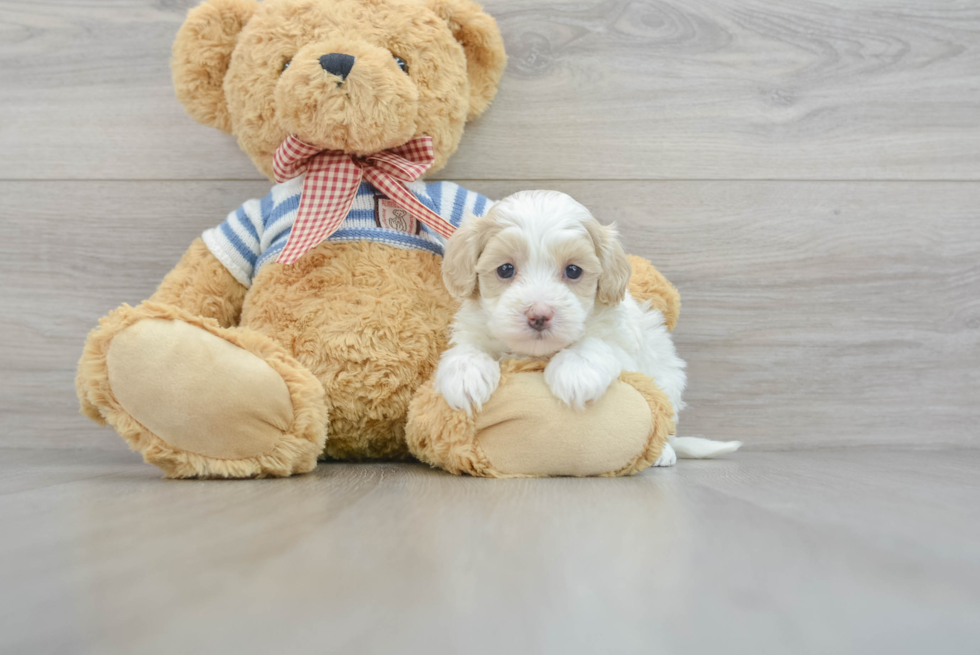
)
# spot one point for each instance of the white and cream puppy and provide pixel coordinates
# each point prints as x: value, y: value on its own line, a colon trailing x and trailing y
x: 539, y: 277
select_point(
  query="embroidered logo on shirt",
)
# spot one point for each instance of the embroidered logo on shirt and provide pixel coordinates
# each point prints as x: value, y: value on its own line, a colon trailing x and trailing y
x: 389, y: 215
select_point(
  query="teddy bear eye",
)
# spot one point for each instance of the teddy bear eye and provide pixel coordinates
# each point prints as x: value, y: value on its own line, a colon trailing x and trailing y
x: 286, y: 65
x: 573, y: 272
x: 402, y: 64
x: 506, y: 271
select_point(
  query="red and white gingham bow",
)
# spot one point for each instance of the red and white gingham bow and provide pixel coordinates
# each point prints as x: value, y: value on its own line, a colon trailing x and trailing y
x: 332, y: 178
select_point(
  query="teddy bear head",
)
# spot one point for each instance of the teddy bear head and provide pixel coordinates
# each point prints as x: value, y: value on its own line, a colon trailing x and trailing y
x: 357, y: 76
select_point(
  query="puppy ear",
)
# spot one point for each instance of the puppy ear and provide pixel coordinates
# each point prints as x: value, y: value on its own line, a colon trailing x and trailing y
x: 616, y: 269
x: 459, y: 262
x: 463, y: 250
x: 480, y: 37
x: 201, y: 54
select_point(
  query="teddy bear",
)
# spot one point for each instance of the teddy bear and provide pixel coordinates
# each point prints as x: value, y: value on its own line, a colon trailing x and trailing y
x: 306, y: 325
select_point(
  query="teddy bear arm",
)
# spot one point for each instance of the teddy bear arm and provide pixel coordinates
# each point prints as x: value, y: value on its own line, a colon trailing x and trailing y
x: 203, y: 286
x: 647, y: 283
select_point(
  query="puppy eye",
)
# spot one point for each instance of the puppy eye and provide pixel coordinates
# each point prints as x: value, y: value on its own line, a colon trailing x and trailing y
x: 506, y: 271
x: 573, y: 272
x: 286, y: 65
x: 402, y: 64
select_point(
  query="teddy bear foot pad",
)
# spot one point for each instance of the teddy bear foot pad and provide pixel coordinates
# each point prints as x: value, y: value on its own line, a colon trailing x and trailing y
x: 620, y: 434
x: 199, y: 402
x: 174, y: 379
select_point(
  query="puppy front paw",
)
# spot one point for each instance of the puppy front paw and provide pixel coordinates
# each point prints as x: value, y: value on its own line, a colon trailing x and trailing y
x: 467, y: 380
x: 575, y: 380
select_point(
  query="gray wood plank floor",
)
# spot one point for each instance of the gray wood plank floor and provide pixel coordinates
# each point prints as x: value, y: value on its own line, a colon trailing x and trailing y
x: 857, y: 550
x: 807, y: 172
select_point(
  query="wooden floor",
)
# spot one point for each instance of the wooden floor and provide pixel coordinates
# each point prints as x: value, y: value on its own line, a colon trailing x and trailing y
x: 807, y: 172
x: 850, y: 550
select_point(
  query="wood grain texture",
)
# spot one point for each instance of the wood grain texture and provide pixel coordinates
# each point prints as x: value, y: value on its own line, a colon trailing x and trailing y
x: 610, y: 89
x: 834, y: 551
x: 813, y: 313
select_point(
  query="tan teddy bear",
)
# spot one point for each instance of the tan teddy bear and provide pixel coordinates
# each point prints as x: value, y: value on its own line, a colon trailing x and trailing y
x: 304, y: 324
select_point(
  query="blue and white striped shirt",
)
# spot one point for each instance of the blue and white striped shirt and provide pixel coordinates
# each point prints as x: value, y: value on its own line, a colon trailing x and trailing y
x: 256, y: 232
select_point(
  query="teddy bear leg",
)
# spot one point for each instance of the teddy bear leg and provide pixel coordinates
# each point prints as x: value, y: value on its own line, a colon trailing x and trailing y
x: 523, y: 431
x: 199, y: 400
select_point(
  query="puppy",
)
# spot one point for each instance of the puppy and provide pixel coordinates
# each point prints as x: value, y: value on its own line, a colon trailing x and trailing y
x: 539, y: 277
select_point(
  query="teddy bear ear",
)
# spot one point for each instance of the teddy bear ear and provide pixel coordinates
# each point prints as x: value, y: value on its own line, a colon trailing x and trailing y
x: 477, y: 32
x: 201, y: 54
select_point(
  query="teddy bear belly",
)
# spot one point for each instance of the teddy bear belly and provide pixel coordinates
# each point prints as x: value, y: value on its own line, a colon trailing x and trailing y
x: 369, y: 321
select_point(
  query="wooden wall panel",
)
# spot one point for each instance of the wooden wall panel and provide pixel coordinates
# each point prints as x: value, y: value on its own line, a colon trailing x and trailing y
x: 813, y: 313
x: 613, y: 89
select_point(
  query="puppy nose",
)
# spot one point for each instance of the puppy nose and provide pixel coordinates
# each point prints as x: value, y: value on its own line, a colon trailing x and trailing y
x: 337, y: 64
x: 539, y: 315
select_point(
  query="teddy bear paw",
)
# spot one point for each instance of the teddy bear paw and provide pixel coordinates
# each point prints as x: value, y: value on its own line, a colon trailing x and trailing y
x: 198, y: 400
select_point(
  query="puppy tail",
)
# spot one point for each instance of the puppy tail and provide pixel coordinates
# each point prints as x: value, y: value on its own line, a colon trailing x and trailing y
x: 697, y: 448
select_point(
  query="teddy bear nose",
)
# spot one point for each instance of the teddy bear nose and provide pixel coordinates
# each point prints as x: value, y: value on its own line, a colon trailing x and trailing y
x: 338, y: 64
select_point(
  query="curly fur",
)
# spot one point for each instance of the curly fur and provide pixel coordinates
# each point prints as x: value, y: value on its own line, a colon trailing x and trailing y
x: 663, y: 425
x: 201, y: 54
x: 228, y: 72
x: 649, y: 284
x: 201, y: 285
x: 369, y: 322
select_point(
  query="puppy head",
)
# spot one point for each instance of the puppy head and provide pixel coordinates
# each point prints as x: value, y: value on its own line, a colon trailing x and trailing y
x: 537, y: 263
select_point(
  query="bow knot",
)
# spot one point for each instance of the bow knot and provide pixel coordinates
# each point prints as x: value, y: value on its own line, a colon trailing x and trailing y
x: 332, y: 179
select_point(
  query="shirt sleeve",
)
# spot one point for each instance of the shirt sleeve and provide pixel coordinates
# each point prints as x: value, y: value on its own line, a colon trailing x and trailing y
x: 454, y: 203
x: 237, y: 242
